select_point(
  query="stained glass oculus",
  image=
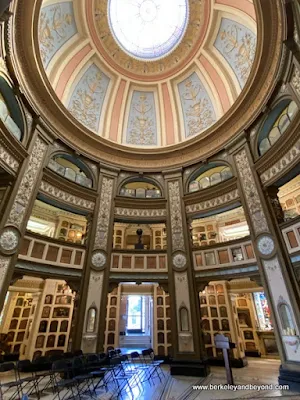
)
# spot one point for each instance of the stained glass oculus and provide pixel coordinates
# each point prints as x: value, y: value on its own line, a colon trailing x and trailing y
x: 148, y: 29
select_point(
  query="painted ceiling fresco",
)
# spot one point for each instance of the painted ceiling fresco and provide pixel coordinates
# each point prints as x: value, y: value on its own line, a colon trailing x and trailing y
x: 87, y: 98
x: 56, y: 26
x: 142, y: 126
x: 135, y: 109
x: 237, y: 45
x: 197, y: 107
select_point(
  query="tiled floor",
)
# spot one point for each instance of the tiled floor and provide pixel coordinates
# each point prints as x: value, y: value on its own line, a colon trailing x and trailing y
x: 258, y: 372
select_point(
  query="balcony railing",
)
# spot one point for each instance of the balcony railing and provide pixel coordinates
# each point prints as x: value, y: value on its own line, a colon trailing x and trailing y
x: 237, y: 252
x: 51, y: 251
x: 139, y: 261
x: 291, y: 235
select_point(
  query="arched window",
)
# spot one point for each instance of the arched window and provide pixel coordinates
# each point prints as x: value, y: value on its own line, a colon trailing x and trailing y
x: 209, y: 175
x: 10, y: 113
x: 140, y: 188
x: 71, y: 168
x: 276, y: 124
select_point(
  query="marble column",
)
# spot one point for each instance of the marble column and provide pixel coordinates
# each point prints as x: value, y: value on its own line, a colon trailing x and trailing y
x: 275, y: 267
x: 95, y: 288
x: 186, y: 335
x: 17, y: 212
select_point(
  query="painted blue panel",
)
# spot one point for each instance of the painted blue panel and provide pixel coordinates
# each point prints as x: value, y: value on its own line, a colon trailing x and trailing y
x: 56, y: 26
x: 142, y: 125
x: 87, y: 98
x: 197, y: 108
x: 237, y: 44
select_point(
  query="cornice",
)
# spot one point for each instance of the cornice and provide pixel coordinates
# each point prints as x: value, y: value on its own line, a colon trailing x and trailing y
x: 129, y: 202
x: 141, y: 213
x: 69, y: 186
x: 59, y: 195
x: 211, y: 192
x: 280, y: 148
x: 36, y: 87
x: 213, y: 203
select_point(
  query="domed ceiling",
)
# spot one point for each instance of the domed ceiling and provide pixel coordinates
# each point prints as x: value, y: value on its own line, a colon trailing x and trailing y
x: 147, y: 73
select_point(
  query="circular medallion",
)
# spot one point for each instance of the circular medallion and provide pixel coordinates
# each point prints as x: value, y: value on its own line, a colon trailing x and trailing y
x: 9, y: 240
x: 179, y: 260
x: 148, y: 29
x: 98, y: 259
x: 265, y: 245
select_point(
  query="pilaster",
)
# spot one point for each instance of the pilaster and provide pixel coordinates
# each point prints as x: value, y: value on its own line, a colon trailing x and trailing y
x: 93, y: 311
x: 275, y: 267
x: 187, y: 340
x: 19, y: 206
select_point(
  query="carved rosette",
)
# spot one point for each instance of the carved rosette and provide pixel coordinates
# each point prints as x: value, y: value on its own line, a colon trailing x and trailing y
x: 9, y: 240
x: 179, y: 261
x: 266, y: 246
x: 99, y: 259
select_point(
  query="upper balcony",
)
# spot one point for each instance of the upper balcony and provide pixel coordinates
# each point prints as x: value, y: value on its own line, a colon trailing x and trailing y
x: 46, y: 250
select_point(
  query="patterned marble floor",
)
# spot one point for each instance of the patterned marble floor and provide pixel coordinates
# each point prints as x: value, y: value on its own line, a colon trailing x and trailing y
x: 258, y: 372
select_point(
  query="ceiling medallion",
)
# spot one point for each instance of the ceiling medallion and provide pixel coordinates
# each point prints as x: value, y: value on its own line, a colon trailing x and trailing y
x: 265, y: 245
x: 174, y: 52
x: 9, y: 240
x: 99, y: 259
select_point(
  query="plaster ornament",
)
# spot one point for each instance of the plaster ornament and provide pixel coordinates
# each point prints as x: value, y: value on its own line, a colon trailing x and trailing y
x: 98, y: 259
x: 179, y: 260
x: 265, y: 245
x: 9, y: 239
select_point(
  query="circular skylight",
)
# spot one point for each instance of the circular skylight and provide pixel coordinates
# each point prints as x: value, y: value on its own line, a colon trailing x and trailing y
x: 148, y: 29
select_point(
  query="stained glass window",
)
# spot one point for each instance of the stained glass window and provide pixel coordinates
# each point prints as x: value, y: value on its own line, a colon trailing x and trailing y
x: 148, y: 29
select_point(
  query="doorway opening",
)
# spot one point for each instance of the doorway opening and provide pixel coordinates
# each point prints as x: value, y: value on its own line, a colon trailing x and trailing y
x: 138, y: 314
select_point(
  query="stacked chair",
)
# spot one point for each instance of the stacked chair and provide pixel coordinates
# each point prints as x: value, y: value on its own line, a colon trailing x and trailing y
x: 75, y: 375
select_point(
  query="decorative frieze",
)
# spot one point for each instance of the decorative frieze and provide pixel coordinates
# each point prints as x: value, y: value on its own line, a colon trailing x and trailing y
x: 138, y: 212
x: 215, y: 202
x: 176, y: 216
x: 28, y: 183
x: 289, y: 157
x: 65, y: 196
x: 104, y: 214
x: 254, y: 205
x: 8, y: 159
